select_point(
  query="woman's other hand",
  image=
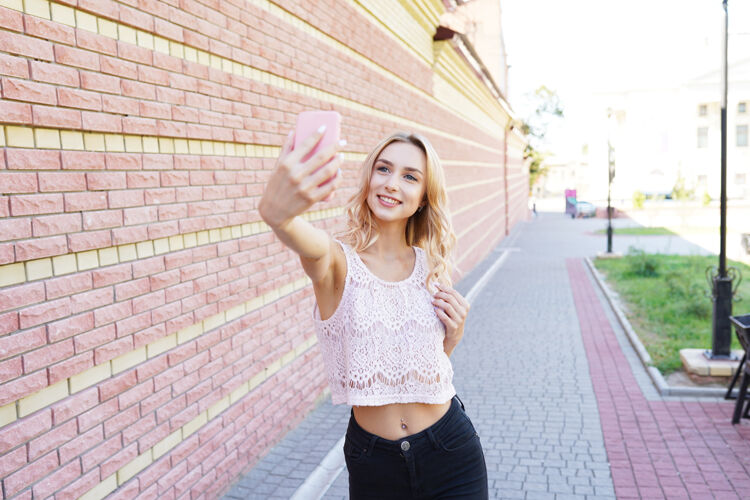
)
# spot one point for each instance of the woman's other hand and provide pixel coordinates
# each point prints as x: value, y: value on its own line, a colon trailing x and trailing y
x: 452, y: 310
x: 294, y: 185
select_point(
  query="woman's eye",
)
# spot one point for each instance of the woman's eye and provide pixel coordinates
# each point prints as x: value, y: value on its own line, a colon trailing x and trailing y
x: 411, y: 177
x: 382, y: 169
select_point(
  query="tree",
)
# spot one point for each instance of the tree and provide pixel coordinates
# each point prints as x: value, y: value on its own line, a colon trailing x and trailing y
x: 546, y: 108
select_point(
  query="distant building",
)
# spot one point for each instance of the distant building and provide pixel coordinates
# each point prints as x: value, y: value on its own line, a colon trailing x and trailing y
x: 664, y: 135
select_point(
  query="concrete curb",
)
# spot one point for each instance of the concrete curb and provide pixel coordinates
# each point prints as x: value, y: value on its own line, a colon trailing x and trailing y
x: 656, y: 377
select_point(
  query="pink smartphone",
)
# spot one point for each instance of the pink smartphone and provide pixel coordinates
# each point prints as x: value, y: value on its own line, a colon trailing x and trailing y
x: 308, y: 122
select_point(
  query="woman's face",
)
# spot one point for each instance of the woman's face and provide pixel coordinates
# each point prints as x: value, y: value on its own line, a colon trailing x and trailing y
x: 397, y: 182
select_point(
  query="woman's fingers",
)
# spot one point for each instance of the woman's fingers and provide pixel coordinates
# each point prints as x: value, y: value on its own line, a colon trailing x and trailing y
x: 288, y: 143
x: 459, y: 299
x: 326, y: 190
x: 307, y: 145
x: 323, y: 173
x: 447, y: 320
x: 447, y: 307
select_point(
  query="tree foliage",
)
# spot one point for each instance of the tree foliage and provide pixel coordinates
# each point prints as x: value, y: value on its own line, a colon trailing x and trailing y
x: 546, y: 108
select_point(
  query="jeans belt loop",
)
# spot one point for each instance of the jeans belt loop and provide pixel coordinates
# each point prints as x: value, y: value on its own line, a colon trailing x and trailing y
x: 371, y: 445
x: 433, y: 439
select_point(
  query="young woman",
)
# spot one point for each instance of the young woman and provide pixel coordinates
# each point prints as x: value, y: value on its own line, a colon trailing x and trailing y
x: 386, y: 316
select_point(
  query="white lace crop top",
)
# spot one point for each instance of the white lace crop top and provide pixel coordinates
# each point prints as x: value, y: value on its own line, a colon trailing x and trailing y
x: 384, y: 342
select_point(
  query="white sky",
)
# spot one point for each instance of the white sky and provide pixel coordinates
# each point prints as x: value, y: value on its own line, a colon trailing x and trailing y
x: 581, y: 47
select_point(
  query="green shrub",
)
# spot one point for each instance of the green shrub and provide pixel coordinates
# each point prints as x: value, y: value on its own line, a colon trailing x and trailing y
x: 639, y: 263
x: 706, y: 199
x: 639, y: 199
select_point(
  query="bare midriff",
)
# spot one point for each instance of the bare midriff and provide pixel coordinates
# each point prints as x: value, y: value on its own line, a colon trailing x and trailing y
x: 386, y: 421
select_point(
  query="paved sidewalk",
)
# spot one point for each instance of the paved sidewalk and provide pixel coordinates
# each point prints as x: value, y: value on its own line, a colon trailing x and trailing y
x: 562, y: 409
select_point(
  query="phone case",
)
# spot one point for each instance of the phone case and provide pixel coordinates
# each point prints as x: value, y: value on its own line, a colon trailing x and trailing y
x: 309, y: 122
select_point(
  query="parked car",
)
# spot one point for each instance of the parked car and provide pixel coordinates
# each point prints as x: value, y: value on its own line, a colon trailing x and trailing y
x: 585, y: 209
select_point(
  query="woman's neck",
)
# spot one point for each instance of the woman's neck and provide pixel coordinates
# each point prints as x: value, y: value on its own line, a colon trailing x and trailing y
x: 391, y: 240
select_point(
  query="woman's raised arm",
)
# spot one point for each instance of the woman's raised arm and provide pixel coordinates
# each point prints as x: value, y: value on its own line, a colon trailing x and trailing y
x: 293, y: 188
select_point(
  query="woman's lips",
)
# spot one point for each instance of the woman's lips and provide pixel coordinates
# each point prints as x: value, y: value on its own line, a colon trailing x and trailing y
x: 388, y: 202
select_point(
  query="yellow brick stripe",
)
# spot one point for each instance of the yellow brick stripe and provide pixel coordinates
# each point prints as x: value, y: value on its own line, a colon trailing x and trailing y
x: 32, y: 270
x: 152, y: 454
x: 487, y: 234
x: 468, y: 185
x: 468, y: 207
x: 77, y: 18
x: 51, y: 394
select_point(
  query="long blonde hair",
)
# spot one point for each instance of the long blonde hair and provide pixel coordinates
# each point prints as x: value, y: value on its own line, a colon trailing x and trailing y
x: 429, y: 228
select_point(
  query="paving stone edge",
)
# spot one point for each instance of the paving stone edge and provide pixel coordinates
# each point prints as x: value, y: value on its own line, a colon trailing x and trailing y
x: 656, y: 377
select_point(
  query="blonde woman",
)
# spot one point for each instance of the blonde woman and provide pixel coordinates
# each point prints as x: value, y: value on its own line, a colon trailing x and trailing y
x: 386, y: 316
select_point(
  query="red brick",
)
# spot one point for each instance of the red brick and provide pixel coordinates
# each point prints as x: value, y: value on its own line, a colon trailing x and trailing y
x: 78, y: 202
x: 10, y: 19
x: 44, y: 313
x: 82, y: 160
x: 10, y: 369
x: 19, y: 342
x: 14, y: 229
x: 155, y: 110
x: 115, y: 424
x: 35, y: 204
x: 31, y: 473
x: 105, y: 180
x: 61, y: 181
x: 82, y: 443
x: 76, y: 57
x: 119, y: 67
x: 47, y: 355
x: 92, y: 299
x: 20, y: 387
x: 89, y: 240
x: 50, y: 30
x: 23, y: 430
x: 106, y: 8
x: 33, y: 159
x: 72, y: 366
x: 138, y: 89
x: 101, y: 122
x: 13, y: 66
x: 80, y: 486
x: 119, y: 459
x: 11, y: 462
x: 56, y: 224
x: 125, y: 198
x: 111, y: 313
x: 141, y: 126
x: 8, y: 323
x: 47, y: 116
x: 133, y: 323
x: 124, y: 235
x: 97, y: 43
x: 123, y: 161
x: 112, y: 274
x: 120, y: 105
x: 100, y: 83
x: 149, y: 74
x: 76, y: 98
x: 135, y: 17
x: 15, y: 112
x: 25, y: 90
x: 52, y: 439
x: 117, y: 384
x: 102, y: 219
x: 138, y: 428
x: 6, y: 249
x: 25, y: 46
x: 54, y: 73
x: 95, y: 338
x: 41, y: 247
x: 113, y: 349
x: 97, y: 415
x: 67, y: 285
x: 71, y: 326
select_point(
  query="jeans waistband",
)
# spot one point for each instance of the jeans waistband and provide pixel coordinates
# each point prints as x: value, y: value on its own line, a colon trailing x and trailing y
x: 425, y: 437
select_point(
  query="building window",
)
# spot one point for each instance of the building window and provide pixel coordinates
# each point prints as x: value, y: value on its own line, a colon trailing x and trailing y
x: 703, y: 110
x: 741, y: 136
x: 739, y: 179
x: 702, y: 137
x: 742, y: 107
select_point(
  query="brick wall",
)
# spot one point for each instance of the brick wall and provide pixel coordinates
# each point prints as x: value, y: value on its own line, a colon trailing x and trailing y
x: 155, y: 337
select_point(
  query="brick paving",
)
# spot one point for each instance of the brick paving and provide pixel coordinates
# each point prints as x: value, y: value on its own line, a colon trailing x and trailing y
x: 563, y: 407
x: 657, y: 449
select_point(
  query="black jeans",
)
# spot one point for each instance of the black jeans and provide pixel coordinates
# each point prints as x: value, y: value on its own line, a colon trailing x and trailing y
x: 443, y: 461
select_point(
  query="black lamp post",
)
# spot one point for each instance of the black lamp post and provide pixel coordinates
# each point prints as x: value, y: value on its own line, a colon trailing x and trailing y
x: 611, y: 175
x: 722, y: 281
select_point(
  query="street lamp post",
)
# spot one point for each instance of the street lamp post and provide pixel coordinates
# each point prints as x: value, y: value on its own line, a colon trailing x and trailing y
x: 722, y: 281
x: 610, y: 175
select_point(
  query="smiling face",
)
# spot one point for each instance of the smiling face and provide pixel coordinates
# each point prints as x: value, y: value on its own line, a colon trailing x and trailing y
x: 397, y: 182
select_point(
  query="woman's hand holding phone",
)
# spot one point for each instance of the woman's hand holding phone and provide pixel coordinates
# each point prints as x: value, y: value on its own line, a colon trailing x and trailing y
x: 298, y: 182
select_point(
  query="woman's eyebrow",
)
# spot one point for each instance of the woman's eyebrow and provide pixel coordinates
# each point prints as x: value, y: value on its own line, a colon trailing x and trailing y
x: 408, y: 169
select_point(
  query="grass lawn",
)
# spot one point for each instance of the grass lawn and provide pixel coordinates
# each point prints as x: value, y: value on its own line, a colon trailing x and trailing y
x: 639, y: 231
x: 667, y: 303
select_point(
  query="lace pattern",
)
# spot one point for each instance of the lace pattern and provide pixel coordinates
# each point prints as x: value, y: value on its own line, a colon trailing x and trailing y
x: 384, y: 342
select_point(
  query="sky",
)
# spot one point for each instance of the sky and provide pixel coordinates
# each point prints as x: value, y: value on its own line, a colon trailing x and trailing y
x: 583, y: 47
